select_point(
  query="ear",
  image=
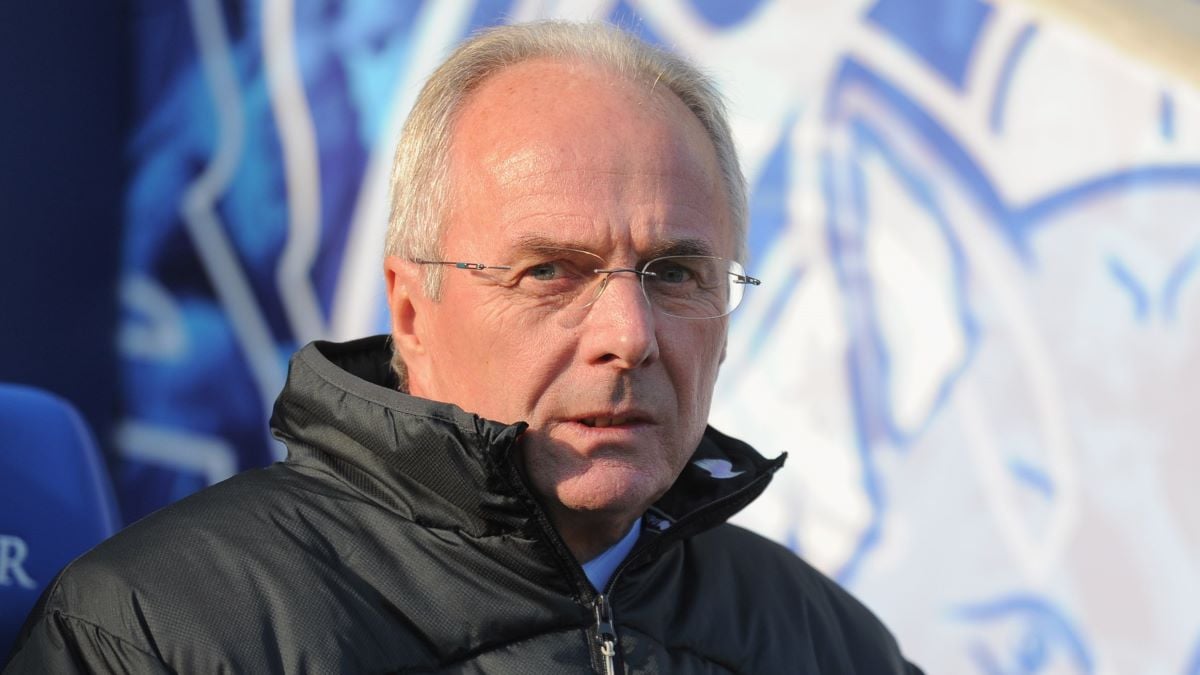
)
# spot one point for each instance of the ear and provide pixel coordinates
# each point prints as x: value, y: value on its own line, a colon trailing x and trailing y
x: 406, y: 301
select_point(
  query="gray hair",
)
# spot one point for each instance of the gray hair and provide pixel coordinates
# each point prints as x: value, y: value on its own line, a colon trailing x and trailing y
x: 420, y: 168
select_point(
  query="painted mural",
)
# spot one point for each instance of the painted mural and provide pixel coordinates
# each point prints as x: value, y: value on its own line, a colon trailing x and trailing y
x: 976, y: 335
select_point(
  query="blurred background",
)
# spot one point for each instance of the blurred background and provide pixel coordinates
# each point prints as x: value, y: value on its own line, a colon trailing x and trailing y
x: 978, y: 226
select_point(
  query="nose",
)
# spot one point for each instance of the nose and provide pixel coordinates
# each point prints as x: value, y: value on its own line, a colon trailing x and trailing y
x: 620, y: 326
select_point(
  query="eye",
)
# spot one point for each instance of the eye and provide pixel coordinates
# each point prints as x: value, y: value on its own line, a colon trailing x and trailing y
x: 550, y: 277
x: 545, y: 271
x: 672, y: 272
x: 554, y: 275
x: 552, y: 271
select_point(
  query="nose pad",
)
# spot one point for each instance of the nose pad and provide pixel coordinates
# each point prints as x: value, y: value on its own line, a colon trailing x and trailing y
x: 608, y: 275
x: 598, y: 291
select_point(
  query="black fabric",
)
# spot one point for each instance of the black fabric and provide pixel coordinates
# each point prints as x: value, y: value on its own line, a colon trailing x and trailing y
x: 399, y: 537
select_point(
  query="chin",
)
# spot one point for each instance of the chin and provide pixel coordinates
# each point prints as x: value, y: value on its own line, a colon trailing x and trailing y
x: 607, y: 489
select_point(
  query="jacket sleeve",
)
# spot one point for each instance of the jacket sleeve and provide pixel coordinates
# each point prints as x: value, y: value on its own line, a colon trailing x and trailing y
x: 56, y: 643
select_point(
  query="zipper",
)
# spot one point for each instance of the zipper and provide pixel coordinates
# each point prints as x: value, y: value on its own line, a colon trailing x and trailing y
x: 606, y: 634
x: 604, y: 653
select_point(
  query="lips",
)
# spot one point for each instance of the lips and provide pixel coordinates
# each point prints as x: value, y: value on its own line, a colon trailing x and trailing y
x: 605, y: 420
x: 602, y: 422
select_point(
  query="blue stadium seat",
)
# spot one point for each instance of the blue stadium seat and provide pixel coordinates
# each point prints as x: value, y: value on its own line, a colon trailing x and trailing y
x: 56, y: 499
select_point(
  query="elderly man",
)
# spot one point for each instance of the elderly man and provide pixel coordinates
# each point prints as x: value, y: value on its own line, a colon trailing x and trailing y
x: 545, y: 497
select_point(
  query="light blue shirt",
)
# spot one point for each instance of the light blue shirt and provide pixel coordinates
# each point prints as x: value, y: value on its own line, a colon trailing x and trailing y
x: 600, y: 569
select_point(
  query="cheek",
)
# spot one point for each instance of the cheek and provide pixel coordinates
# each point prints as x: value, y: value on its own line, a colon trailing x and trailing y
x: 695, y: 365
x: 705, y: 361
x: 491, y: 364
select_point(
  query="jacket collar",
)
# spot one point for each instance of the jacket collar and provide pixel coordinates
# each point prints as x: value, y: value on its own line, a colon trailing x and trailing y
x: 438, y: 464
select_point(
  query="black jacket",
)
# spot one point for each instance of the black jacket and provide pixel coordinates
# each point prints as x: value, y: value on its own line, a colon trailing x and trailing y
x: 398, y: 536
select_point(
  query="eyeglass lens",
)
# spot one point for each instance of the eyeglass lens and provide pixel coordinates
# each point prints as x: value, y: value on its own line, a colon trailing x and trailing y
x: 686, y: 286
x: 696, y: 287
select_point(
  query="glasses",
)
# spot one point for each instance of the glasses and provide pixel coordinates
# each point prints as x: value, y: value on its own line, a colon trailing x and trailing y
x: 684, y: 286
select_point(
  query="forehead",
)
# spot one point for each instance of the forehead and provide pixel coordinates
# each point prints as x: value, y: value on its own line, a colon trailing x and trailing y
x: 573, y: 151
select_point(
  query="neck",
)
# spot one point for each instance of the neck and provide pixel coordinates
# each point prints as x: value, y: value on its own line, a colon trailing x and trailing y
x: 587, y: 535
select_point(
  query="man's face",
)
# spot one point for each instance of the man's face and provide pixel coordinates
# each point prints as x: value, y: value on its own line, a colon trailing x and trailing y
x: 573, y: 156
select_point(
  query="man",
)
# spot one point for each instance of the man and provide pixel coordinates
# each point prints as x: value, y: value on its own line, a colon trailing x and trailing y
x: 546, y: 497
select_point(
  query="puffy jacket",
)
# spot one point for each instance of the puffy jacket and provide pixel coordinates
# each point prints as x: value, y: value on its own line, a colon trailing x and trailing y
x: 399, y: 536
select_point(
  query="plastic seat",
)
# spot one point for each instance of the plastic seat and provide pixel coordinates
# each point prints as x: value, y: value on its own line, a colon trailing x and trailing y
x: 56, y: 498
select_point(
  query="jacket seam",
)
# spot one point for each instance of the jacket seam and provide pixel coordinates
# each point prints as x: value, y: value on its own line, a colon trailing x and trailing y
x: 322, y: 469
x: 100, y: 629
x: 413, y: 520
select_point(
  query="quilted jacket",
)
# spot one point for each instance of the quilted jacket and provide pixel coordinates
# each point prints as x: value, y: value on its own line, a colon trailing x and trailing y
x: 399, y: 536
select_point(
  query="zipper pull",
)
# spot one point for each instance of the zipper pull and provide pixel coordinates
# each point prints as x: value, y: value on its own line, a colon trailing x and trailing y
x: 606, y: 634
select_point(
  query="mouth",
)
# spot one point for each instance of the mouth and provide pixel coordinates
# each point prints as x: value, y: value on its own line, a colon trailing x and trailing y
x: 606, y: 420
x: 602, y: 422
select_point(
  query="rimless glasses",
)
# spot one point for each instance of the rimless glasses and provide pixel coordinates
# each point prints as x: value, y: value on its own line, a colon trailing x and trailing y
x: 684, y: 286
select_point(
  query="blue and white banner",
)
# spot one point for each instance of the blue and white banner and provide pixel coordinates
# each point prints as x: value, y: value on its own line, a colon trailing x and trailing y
x: 977, y: 335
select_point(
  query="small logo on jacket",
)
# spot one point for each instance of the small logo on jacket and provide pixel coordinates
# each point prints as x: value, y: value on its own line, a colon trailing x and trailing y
x: 718, y: 468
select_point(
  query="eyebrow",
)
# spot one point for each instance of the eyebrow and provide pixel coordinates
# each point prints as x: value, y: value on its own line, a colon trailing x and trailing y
x: 537, y: 243
x: 680, y: 247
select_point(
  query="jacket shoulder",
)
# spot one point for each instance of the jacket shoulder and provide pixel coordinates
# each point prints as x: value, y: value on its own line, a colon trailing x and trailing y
x: 219, y: 537
x: 185, y: 576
